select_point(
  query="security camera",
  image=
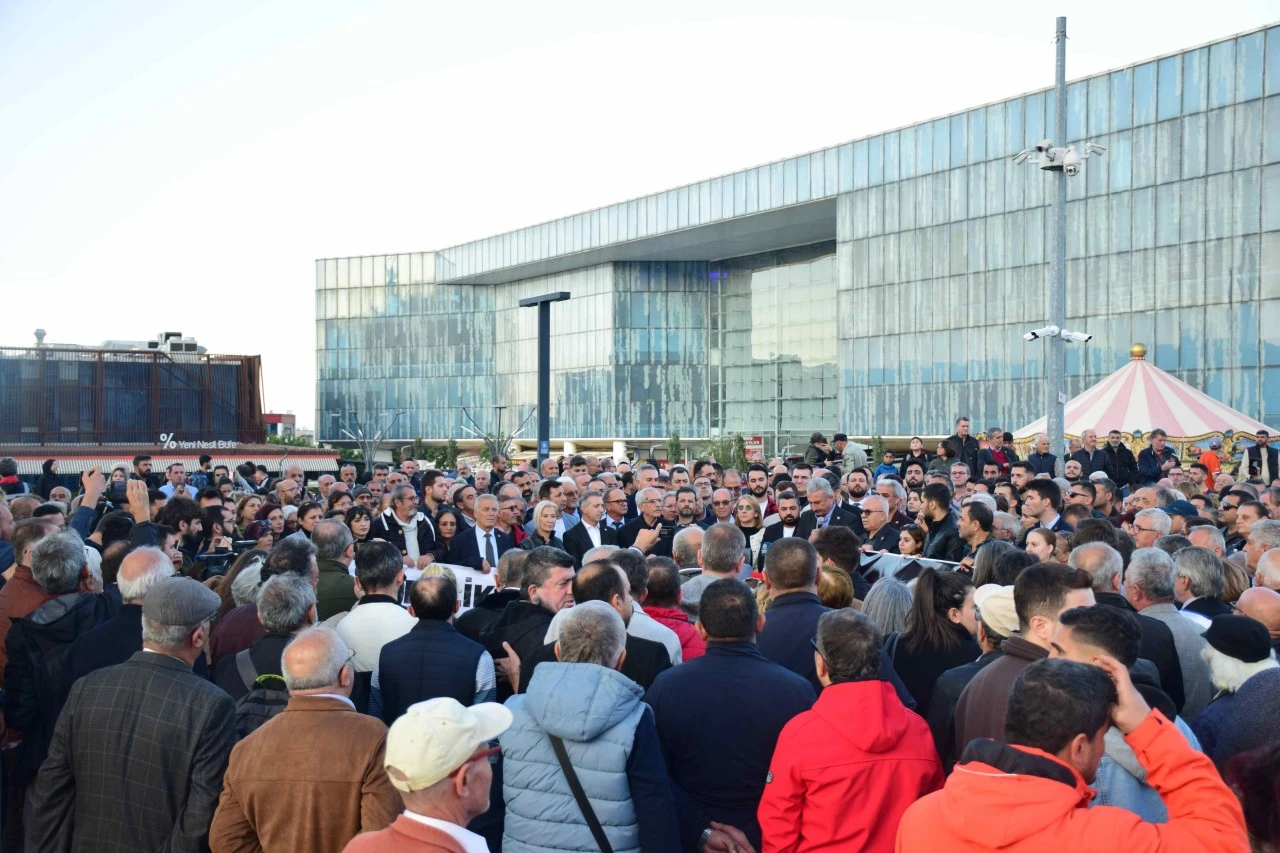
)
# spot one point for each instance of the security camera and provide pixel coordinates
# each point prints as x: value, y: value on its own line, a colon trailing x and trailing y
x: 1077, y: 337
x: 1030, y: 336
x: 1021, y: 156
x: 1071, y: 161
x: 1042, y: 332
x: 1045, y: 145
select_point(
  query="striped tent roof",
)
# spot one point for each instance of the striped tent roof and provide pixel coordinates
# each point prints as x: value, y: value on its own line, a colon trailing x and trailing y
x: 1140, y: 397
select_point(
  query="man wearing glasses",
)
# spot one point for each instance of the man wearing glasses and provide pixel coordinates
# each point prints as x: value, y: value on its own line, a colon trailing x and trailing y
x: 404, y: 526
x: 615, y: 509
x: 1228, y: 515
x: 881, y: 536
x: 1148, y: 526
x: 721, y: 507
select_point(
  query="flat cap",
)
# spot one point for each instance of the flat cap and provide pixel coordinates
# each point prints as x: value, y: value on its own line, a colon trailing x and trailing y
x: 1239, y: 637
x: 180, y: 601
x: 1186, y: 509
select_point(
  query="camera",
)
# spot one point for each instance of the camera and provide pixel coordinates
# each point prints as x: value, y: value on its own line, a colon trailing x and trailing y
x: 1071, y: 161
x: 1045, y: 145
x: 1071, y: 170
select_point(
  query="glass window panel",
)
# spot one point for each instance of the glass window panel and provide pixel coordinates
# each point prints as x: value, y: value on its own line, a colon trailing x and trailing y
x: 941, y: 144
x: 1099, y: 106
x: 848, y: 170
x: 1222, y: 73
x: 753, y: 183
x: 1219, y: 139
x: 1169, y: 90
x: 803, y: 186
x: 1015, y: 126
x: 996, y: 139
x: 858, y: 153
x: 875, y: 161
x: 1121, y: 99
x: 1273, y: 62
x: 1168, y: 151
x: 1077, y: 115
x: 1249, y: 66
x: 959, y: 140
x: 1035, y: 129
x: 1194, y: 80
x: 830, y: 172
x: 890, y: 157
x: 789, y: 170
x: 777, y: 185
x: 1119, y: 160
x: 977, y: 136
x: 1193, y: 146
x: 739, y: 194
x: 1271, y: 130
x: 924, y: 149
x: 907, y: 152
x: 1144, y: 94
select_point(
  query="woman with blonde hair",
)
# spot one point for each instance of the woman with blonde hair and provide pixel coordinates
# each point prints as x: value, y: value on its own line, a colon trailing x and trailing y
x: 750, y: 520
x: 545, y: 516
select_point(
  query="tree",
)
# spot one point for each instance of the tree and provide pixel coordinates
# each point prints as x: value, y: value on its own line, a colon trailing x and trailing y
x: 369, y: 433
x: 496, y: 443
x: 674, y: 450
x: 729, y: 450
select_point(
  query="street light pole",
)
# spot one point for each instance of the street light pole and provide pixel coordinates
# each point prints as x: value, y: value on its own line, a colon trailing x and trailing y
x: 543, y: 304
x: 1056, y: 391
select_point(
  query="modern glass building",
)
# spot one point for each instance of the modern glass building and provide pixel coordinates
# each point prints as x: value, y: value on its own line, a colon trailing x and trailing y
x: 879, y: 287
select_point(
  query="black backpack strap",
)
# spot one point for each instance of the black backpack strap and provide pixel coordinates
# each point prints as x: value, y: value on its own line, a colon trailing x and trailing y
x: 593, y: 823
x: 244, y: 666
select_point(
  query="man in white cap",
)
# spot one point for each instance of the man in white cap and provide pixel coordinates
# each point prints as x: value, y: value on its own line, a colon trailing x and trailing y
x: 438, y: 756
x: 129, y: 731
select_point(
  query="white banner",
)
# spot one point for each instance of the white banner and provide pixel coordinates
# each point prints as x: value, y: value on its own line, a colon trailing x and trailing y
x: 472, y: 585
x: 888, y: 565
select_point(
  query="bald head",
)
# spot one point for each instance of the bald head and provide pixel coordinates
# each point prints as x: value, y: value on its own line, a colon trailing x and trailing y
x: 142, y: 569
x: 1263, y: 605
x: 1268, y: 572
x: 316, y: 662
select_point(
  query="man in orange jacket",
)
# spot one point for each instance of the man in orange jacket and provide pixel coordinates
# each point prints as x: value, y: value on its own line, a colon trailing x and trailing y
x: 844, y: 772
x: 1031, y: 792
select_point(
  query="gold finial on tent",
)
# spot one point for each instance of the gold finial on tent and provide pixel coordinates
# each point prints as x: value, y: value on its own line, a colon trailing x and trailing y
x: 1138, y: 351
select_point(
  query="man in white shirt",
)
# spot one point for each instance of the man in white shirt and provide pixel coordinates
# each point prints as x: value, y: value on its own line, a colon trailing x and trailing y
x: 377, y: 617
x: 615, y: 508
x: 438, y: 757
x: 176, y: 477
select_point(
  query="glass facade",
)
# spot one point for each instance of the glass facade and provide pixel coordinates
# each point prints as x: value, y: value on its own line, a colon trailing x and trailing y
x: 913, y: 312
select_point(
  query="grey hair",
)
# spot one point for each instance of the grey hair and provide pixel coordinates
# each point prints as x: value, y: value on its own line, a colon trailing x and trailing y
x: 1203, y: 569
x: 1268, y: 571
x: 1266, y: 533
x: 819, y: 484
x: 170, y: 637
x: 483, y: 498
x: 982, y: 498
x: 158, y: 567
x: 887, y: 605
x: 1159, y: 519
x: 56, y: 562
x: 1101, y: 561
x: 244, y: 588
x: 403, y: 491
x: 1039, y: 436
x: 879, y: 502
x: 1007, y: 521
x: 849, y: 642
x: 682, y: 551
x: 899, y: 491
x: 722, y: 547
x: 984, y: 562
x: 1151, y: 570
x: 648, y: 490
x: 1215, y: 535
x: 601, y: 553
x: 592, y: 632
x: 331, y: 538
x: 283, y: 602
x: 590, y: 493
x: 1164, y: 497
x: 327, y: 671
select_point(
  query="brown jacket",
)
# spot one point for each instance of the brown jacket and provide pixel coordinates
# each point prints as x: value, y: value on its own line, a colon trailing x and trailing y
x: 310, y: 779
x: 19, y: 597
x: 981, y: 710
x: 406, y: 835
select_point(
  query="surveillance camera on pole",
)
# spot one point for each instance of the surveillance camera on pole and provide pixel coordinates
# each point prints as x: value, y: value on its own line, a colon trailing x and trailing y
x: 1057, y: 332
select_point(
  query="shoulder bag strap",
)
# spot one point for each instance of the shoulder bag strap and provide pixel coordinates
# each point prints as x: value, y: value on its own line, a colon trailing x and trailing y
x: 593, y: 823
x: 244, y: 666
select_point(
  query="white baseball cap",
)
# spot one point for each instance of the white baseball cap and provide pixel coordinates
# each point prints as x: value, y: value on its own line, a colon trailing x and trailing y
x: 434, y: 738
x: 995, y: 603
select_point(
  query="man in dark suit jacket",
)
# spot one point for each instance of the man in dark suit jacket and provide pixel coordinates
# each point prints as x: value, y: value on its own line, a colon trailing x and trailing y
x: 606, y: 582
x: 148, y: 725
x: 116, y: 640
x: 472, y: 547
x: 649, y: 502
x: 578, y: 539
x: 823, y: 511
x: 389, y: 526
x: 1258, y: 454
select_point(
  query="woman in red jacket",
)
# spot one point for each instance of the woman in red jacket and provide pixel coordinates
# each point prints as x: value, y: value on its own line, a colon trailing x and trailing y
x: 844, y: 772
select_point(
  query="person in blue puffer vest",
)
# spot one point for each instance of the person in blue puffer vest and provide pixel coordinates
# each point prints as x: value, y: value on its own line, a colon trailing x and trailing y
x: 611, y: 740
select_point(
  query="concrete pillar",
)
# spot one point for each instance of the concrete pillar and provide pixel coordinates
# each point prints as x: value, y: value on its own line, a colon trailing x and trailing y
x: 570, y: 448
x: 619, y: 451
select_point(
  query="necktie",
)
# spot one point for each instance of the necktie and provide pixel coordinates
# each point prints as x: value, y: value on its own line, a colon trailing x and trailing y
x: 489, y: 553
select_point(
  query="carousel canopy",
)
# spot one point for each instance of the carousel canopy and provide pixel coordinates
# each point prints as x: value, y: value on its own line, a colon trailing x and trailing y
x: 1140, y: 397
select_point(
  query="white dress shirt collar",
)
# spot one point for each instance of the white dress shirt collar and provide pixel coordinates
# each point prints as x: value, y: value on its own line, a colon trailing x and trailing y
x: 470, y: 842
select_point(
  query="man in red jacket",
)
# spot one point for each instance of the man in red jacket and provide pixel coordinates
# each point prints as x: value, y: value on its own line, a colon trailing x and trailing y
x: 1031, y: 793
x: 662, y: 604
x: 844, y: 772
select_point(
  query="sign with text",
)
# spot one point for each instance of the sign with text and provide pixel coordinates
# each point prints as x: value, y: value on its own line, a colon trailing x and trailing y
x: 473, y: 586
x: 754, y: 445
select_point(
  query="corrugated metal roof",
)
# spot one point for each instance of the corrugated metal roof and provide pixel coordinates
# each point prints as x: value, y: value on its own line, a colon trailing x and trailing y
x: 76, y: 459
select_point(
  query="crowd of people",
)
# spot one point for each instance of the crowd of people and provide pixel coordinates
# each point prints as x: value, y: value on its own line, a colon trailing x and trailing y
x: 955, y: 650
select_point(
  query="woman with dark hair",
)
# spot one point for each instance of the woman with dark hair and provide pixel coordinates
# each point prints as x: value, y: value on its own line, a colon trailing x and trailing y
x: 911, y: 540
x: 916, y: 453
x: 246, y: 513
x: 48, y: 479
x: 273, y: 514
x: 360, y: 522
x: 944, y: 460
x: 448, y: 522
x: 940, y: 629
x: 309, y: 515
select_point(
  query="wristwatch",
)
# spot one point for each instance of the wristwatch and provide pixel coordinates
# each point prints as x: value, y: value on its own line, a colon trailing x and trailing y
x: 704, y: 838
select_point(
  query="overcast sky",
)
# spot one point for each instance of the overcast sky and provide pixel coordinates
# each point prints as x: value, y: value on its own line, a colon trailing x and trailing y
x: 179, y: 166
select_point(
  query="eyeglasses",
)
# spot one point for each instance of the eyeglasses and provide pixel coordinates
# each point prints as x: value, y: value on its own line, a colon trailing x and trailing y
x: 871, y: 511
x: 813, y: 641
x: 491, y: 755
x: 1145, y: 529
x: 619, y: 501
x: 1230, y: 506
x: 1081, y: 495
x: 721, y: 503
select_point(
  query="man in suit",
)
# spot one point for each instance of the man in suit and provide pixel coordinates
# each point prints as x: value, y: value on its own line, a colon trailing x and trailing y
x: 1199, y: 579
x: 1155, y: 460
x: 1042, y: 500
x: 481, y: 547
x: 881, y: 536
x: 615, y: 509
x: 409, y: 530
x: 788, y: 520
x: 117, y: 639
x: 129, y: 731
x: 996, y: 453
x: 327, y: 755
x: 647, y: 531
x: 1261, y: 459
x: 823, y: 511
x: 592, y: 532
x: 604, y: 581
